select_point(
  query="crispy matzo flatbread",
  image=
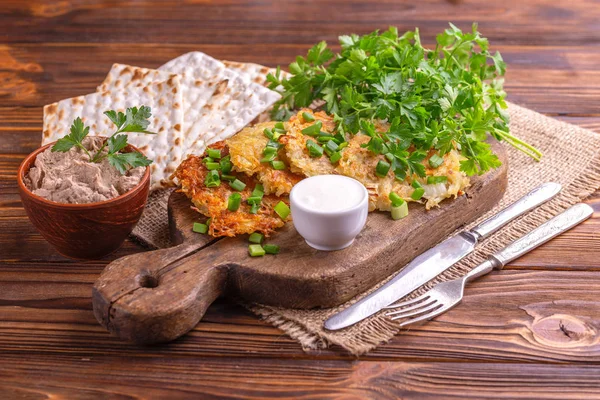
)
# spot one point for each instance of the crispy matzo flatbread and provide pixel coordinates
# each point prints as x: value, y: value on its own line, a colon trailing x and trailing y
x: 164, y: 98
x: 221, y: 101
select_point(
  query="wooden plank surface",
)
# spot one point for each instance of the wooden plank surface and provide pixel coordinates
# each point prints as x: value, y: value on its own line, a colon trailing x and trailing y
x: 530, y: 331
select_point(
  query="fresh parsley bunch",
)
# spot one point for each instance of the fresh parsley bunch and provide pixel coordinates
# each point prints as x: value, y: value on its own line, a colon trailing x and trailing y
x: 445, y: 98
x: 133, y: 120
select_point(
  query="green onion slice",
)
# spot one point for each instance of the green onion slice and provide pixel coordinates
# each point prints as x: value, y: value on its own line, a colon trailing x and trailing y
x: 214, y: 153
x: 229, y: 178
x: 271, y: 248
x: 395, y: 199
x: 282, y: 210
x: 399, y: 212
x: 237, y: 185
x: 417, y: 193
x: 254, y: 208
x: 314, y: 150
x: 278, y: 165
x: 212, y: 165
x: 308, y: 117
x: 335, y: 157
x: 435, y: 161
x: 212, y: 179
x: 314, y: 129
x: 234, y: 201
x: 432, y: 180
x: 256, y: 250
x: 255, y: 238
x: 200, y: 228
x: 382, y: 168
x: 259, y: 190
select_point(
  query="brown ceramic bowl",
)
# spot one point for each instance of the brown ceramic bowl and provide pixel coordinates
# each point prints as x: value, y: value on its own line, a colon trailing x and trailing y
x: 84, y: 231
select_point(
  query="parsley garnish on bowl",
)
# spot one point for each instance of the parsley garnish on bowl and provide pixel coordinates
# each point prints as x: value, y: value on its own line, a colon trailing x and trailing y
x: 449, y: 97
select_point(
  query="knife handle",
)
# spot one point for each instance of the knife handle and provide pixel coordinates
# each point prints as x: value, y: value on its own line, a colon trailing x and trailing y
x: 537, y: 196
x: 540, y: 235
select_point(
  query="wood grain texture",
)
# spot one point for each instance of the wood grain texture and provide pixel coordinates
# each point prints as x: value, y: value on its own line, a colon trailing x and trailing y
x: 530, y: 331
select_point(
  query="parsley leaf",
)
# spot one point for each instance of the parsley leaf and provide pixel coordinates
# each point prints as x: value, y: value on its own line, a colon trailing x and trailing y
x: 78, y: 133
x: 123, y: 161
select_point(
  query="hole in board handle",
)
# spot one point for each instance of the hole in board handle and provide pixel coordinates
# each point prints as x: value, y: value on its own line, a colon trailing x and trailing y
x: 148, y: 281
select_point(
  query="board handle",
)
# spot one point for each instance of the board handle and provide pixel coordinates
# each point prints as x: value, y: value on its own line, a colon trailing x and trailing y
x: 157, y: 296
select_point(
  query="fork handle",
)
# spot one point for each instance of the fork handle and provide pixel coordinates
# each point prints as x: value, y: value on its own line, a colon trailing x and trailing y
x: 540, y: 235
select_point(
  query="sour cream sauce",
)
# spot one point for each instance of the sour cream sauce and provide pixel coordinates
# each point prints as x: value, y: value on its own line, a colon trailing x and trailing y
x: 329, y: 193
x: 329, y: 211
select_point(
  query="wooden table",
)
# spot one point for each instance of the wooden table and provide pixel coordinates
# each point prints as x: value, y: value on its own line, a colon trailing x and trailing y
x: 530, y: 331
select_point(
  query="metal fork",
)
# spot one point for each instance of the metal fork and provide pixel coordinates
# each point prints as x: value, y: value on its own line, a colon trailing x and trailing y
x: 446, y: 295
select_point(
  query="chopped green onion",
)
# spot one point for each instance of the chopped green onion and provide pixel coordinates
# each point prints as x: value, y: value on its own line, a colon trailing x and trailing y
x: 314, y: 150
x: 237, y: 185
x: 207, y: 160
x: 335, y: 157
x: 277, y: 135
x: 416, y: 184
x: 324, y: 138
x: 271, y: 144
x: 342, y: 145
x: 400, y: 211
x: 200, y: 228
x: 256, y: 238
x: 254, y: 199
x: 226, y: 164
x: 314, y: 129
x: 395, y: 199
x: 432, y: 180
x: 332, y: 146
x: 258, y: 191
x: 417, y: 193
x: 389, y: 156
x: 268, y: 157
x: 212, y: 179
x: 212, y: 165
x: 254, y: 208
x: 256, y: 250
x: 268, y: 133
x: 382, y: 168
x: 435, y: 161
x: 279, y: 128
x: 282, y: 210
x: 228, y: 177
x: 214, y: 153
x: 234, y: 201
x: 271, y: 248
x: 279, y: 165
x: 308, y: 117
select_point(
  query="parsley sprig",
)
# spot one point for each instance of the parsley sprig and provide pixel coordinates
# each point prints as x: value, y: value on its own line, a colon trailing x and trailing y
x: 445, y: 98
x: 133, y: 120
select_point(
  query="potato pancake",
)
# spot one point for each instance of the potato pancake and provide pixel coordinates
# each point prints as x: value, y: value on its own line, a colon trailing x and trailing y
x: 212, y: 201
x: 295, y: 145
x: 246, y: 148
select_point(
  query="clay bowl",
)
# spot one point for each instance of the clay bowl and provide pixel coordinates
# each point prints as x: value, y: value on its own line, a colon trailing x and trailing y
x: 84, y: 231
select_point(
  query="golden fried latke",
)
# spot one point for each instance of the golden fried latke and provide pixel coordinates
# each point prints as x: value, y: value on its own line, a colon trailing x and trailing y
x: 212, y: 202
x: 295, y: 145
x: 246, y: 148
x: 359, y: 163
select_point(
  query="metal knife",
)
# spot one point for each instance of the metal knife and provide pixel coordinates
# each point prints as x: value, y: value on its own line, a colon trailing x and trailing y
x: 438, y: 259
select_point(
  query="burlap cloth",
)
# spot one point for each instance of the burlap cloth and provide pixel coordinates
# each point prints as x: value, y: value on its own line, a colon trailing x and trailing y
x: 571, y: 157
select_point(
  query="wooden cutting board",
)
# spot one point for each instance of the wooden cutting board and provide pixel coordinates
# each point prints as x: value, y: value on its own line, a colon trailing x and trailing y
x: 160, y: 295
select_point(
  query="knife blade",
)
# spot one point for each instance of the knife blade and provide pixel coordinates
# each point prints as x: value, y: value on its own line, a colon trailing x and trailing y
x: 438, y: 259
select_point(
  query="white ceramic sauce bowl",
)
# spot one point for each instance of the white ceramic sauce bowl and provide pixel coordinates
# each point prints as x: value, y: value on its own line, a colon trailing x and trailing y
x: 329, y: 211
